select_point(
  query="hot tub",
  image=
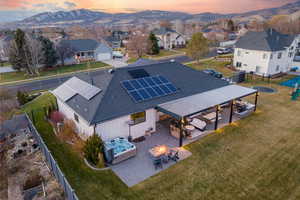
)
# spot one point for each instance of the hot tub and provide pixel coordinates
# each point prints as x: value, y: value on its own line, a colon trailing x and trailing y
x: 119, y: 149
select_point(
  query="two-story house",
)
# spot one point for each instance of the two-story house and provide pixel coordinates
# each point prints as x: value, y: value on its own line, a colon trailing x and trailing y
x: 169, y: 39
x: 265, y: 53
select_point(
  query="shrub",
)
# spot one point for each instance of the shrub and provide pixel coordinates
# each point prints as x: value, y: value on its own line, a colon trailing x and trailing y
x: 22, y: 97
x: 68, y: 131
x: 57, y: 117
x: 93, y: 149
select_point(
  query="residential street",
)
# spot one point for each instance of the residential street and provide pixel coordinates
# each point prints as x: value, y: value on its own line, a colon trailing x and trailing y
x: 54, y: 82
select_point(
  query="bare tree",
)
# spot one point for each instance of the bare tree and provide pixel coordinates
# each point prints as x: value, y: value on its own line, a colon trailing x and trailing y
x: 64, y: 50
x: 36, y: 52
x: 138, y: 44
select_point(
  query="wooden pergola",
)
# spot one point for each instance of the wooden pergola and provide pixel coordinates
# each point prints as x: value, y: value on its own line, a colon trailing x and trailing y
x: 183, y: 108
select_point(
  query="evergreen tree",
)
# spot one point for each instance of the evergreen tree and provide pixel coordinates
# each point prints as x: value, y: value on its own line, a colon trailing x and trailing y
x: 93, y: 149
x: 19, y: 55
x: 50, y: 55
x: 230, y: 25
x: 153, y: 47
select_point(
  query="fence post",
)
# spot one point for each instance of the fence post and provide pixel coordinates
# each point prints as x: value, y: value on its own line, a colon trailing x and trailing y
x: 32, y: 115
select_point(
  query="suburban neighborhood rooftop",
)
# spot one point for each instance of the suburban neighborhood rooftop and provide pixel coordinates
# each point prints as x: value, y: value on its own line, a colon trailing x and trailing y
x: 113, y: 101
x: 269, y: 40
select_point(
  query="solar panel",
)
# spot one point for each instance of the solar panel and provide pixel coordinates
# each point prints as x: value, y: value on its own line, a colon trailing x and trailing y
x: 147, y: 88
x: 138, y: 73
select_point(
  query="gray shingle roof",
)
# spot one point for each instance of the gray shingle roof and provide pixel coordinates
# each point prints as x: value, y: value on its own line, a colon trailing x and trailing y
x: 115, y: 102
x: 163, y: 31
x: 82, y: 44
x: 269, y: 40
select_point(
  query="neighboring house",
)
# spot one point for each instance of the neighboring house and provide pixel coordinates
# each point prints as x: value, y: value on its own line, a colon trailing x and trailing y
x: 216, y: 34
x: 265, y: 53
x: 131, y: 101
x: 169, y: 39
x: 113, y: 42
x: 87, y: 49
x: 117, y: 38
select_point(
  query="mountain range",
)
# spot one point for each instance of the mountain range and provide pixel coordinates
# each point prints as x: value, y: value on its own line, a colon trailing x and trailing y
x: 86, y: 17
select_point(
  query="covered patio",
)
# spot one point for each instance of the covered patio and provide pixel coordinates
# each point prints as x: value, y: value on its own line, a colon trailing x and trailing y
x: 209, y: 105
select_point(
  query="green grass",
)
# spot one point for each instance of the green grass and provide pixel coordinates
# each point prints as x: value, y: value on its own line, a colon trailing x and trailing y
x: 4, y: 64
x: 219, y: 66
x: 256, y: 158
x: 18, y: 76
x: 162, y: 53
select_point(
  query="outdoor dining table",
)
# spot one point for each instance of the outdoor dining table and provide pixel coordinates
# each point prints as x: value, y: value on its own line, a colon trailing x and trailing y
x: 158, y: 151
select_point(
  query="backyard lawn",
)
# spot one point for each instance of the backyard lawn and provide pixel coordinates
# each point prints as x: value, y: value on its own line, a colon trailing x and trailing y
x: 255, y: 158
x: 219, y: 66
x: 162, y: 53
x: 17, y: 76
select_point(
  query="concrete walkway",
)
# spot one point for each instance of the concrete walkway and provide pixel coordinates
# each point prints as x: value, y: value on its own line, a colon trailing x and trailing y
x: 140, y: 167
x: 117, y: 63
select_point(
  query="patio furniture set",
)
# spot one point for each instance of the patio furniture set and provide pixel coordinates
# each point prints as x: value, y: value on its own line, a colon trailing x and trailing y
x: 162, y: 154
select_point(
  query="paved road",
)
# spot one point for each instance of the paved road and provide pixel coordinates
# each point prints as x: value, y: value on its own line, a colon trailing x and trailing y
x: 54, y: 82
x: 45, y: 84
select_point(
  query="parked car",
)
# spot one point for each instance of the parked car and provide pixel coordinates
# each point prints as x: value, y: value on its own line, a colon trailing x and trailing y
x: 223, y: 50
x: 213, y: 72
x: 117, y: 54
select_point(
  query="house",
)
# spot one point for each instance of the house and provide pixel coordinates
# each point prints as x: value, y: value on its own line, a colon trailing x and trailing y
x: 265, y: 53
x: 169, y: 39
x: 87, y: 49
x: 217, y: 34
x: 117, y: 38
x: 131, y: 101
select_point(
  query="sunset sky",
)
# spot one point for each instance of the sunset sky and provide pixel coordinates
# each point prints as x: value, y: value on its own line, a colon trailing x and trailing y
x: 17, y: 9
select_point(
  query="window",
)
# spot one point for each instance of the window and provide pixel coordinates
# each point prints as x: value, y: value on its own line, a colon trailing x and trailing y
x: 277, y: 68
x: 76, y: 118
x: 90, y: 53
x: 279, y: 55
x: 238, y: 64
x: 271, y: 56
x: 139, y: 117
x: 239, y: 53
x: 258, y: 69
x: 290, y: 54
x: 265, y: 56
x: 247, y: 52
x: 82, y: 53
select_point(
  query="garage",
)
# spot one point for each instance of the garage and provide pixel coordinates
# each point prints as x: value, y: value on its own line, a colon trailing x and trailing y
x: 103, y: 56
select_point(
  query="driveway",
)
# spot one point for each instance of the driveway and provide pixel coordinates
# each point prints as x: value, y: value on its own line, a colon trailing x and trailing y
x: 116, y: 62
x: 6, y: 69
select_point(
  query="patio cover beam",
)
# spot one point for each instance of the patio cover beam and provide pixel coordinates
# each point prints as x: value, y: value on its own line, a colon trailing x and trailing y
x: 194, y: 104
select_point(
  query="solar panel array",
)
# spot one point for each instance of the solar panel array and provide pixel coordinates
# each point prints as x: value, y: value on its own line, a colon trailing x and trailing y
x: 147, y: 88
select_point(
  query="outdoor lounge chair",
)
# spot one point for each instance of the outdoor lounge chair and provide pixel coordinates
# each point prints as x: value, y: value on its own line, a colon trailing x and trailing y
x: 199, y: 124
x: 157, y: 163
x: 174, y: 156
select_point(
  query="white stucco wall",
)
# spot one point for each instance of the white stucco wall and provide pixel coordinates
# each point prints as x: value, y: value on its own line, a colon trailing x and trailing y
x: 119, y: 128
x: 251, y: 59
x: 82, y: 125
x: 166, y: 41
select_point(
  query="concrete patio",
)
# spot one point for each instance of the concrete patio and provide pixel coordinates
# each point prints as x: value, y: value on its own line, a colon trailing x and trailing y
x: 140, y: 167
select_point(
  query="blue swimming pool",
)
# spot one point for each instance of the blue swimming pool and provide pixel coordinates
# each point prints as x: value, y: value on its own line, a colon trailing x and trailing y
x: 119, y: 145
x: 291, y: 82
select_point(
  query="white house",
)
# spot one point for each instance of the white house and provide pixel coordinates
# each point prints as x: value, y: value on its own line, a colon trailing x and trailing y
x: 169, y: 39
x: 131, y: 101
x: 265, y: 53
x: 87, y: 49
